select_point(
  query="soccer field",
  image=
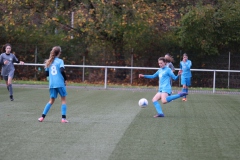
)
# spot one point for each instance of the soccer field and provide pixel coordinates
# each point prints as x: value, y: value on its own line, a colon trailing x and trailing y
x: 109, y: 125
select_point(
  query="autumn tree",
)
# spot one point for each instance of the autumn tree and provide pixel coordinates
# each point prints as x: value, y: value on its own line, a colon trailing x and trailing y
x: 31, y: 23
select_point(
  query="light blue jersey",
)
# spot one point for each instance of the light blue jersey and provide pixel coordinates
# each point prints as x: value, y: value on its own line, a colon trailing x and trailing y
x: 56, y: 79
x: 164, y: 75
x: 185, y: 67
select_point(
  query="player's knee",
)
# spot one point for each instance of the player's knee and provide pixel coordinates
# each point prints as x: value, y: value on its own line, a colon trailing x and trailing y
x: 51, y: 101
x: 164, y: 101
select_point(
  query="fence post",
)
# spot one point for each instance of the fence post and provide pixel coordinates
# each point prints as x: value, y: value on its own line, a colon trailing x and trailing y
x: 36, y: 54
x: 83, y: 72
x: 105, y: 79
x: 131, y: 68
x: 229, y: 64
x: 179, y: 81
x: 214, y: 79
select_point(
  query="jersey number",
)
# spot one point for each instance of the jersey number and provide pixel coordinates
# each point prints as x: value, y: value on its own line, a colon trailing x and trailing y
x: 53, y: 70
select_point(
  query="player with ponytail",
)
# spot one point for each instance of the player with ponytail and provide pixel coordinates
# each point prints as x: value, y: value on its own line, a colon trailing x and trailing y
x: 54, y: 69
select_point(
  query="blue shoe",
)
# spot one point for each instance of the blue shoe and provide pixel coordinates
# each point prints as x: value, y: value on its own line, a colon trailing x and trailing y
x: 182, y: 94
x: 158, y: 115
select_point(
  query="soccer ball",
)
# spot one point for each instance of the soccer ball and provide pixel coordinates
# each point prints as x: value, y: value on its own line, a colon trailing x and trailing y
x: 143, y: 102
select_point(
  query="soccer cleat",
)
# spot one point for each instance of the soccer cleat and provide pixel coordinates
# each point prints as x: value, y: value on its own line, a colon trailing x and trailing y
x: 11, y: 97
x: 182, y: 94
x: 158, y: 115
x: 40, y: 119
x: 184, y: 99
x: 64, y: 120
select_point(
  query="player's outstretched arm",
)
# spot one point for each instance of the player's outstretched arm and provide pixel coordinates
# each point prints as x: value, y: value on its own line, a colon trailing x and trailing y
x: 21, y: 62
x: 140, y: 75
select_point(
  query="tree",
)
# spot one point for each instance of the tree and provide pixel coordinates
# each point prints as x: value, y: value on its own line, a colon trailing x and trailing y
x: 209, y: 29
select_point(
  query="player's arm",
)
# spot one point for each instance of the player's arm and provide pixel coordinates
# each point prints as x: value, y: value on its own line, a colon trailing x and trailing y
x: 1, y: 60
x: 63, y: 73
x: 189, y: 64
x: 46, y: 73
x: 149, y: 76
x: 173, y: 75
x: 180, y: 65
x: 172, y: 67
x: 62, y: 68
x: 15, y: 59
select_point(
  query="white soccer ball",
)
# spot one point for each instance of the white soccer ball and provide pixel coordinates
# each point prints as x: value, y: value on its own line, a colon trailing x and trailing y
x: 143, y: 102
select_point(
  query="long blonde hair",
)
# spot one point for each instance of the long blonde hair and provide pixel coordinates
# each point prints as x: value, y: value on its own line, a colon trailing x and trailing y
x: 54, y: 53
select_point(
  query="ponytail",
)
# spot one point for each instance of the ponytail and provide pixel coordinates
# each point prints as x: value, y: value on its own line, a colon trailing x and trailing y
x: 169, y: 58
x: 54, y: 53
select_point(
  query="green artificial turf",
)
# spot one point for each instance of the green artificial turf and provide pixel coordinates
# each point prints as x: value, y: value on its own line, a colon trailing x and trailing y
x: 109, y: 125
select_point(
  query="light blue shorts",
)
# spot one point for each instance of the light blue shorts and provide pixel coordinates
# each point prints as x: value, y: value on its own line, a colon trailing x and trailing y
x: 186, y: 81
x: 54, y: 92
x: 169, y: 92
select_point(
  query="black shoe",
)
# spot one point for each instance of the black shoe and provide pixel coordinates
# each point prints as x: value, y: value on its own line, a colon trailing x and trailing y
x: 11, y: 97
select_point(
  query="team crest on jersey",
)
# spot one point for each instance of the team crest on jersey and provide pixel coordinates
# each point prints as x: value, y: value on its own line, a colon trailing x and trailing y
x: 161, y: 74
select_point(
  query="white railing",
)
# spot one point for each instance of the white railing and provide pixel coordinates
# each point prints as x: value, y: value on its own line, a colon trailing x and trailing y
x: 131, y: 68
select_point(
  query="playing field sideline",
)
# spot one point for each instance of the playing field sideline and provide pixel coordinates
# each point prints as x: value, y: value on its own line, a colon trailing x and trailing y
x: 109, y: 125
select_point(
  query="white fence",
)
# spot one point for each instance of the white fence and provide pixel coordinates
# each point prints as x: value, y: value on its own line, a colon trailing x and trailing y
x: 141, y: 68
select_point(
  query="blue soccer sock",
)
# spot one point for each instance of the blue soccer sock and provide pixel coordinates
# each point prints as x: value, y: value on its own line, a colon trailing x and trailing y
x: 64, y: 109
x: 172, y: 97
x: 46, y: 109
x: 184, y: 90
x: 158, y: 107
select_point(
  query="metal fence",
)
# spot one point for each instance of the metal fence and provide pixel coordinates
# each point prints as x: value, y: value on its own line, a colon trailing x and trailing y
x: 129, y: 75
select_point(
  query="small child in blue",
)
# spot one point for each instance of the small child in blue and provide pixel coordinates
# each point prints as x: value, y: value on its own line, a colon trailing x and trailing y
x: 164, y: 92
x: 54, y: 68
